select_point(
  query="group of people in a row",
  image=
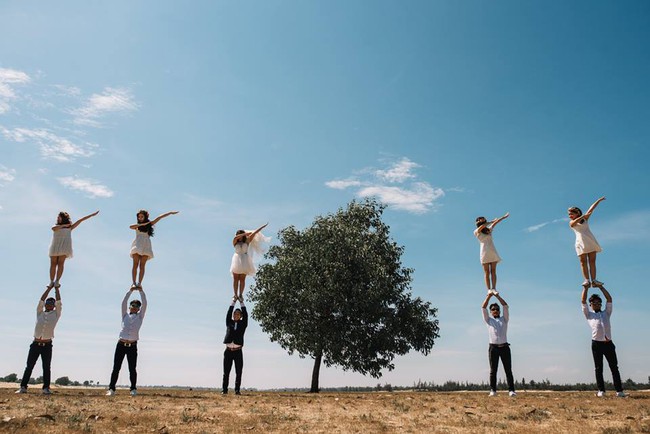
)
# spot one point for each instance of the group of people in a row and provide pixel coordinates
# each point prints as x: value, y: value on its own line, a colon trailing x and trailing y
x: 586, y: 245
x: 601, y: 339
x: 48, y: 313
x: 133, y: 310
x: 141, y: 250
x: 245, y: 243
x: 586, y: 248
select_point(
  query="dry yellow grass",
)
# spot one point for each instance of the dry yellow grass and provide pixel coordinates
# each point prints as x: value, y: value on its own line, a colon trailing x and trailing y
x: 183, y: 411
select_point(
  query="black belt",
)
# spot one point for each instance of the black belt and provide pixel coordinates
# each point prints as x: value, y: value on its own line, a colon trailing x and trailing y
x: 127, y: 344
x: 43, y: 344
x: 500, y: 345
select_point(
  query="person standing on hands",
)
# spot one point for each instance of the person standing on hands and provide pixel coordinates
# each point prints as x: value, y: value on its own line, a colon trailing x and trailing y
x: 586, y: 245
x: 61, y: 246
x: 236, y: 323
x: 601, y: 339
x: 489, y: 255
x: 245, y: 243
x: 499, y: 347
x: 127, y: 345
x: 48, y: 313
x: 141, y: 250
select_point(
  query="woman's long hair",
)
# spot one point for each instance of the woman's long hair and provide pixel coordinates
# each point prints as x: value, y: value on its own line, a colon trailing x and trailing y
x: 576, y: 210
x: 242, y: 239
x: 481, y: 221
x: 65, y: 218
x: 146, y: 228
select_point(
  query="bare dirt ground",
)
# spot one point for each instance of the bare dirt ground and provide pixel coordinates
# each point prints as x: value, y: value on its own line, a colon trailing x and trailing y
x: 184, y: 411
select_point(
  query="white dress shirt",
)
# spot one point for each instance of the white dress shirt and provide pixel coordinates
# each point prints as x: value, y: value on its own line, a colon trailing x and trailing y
x: 497, y: 327
x: 131, y: 322
x: 46, y: 321
x: 601, y: 329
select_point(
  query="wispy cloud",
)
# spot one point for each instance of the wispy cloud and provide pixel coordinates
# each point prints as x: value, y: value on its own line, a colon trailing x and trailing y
x: 111, y: 100
x: 342, y: 184
x: 399, y: 172
x: 417, y: 197
x: 67, y: 90
x: 537, y: 227
x: 91, y: 187
x: 51, y: 145
x: 7, y: 174
x: 8, y: 78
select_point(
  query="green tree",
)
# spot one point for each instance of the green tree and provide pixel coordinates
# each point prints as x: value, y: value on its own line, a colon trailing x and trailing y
x: 63, y: 381
x: 337, y: 292
x: 11, y: 378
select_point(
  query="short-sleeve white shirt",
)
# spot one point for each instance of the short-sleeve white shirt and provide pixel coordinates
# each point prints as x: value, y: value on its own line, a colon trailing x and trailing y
x: 46, y: 321
x: 601, y: 329
x: 497, y: 327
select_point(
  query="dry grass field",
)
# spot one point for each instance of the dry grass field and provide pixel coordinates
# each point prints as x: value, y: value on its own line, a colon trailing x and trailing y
x: 71, y: 410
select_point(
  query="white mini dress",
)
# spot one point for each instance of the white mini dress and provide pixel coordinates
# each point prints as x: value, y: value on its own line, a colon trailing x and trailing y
x: 61, y: 243
x: 488, y: 251
x: 585, y: 240
x: 242, y: 260
x: 142, y: 244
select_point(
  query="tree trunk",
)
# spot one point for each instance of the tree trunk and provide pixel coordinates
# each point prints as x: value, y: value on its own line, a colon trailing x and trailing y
x: 316, y: 372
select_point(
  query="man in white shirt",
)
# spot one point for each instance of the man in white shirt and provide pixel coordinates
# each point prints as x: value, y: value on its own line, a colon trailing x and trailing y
x: 499, y: 347
x: 127, y: 345
x: 601, y: 339
x: 48, y: 313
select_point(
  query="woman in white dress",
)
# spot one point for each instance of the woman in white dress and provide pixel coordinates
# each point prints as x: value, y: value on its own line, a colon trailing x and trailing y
x: 61, y: 246
x: 141, y: 250
x: 489, y: 255
x: 586, y: 245
x: 245, y: 244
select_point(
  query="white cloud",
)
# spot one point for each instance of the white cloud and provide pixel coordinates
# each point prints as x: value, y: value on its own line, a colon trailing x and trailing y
x: 13, y: 76
x: 399, y: 172
x: 537, y: 227
x: 7, y: 174
x: 111, y: 100
x: 92, y: 188
x: 342, y: 184
x: 67, y: 90
x: 51, y: 146
x: 9, y: 77
x: 417, y: 199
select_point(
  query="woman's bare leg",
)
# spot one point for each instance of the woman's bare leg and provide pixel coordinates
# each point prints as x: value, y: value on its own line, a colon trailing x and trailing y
x: 134, y: 270
x: 592, y: 265
x: 53, y: 262
x: 60, y: 264
x: 242, y: 284
x: 143, y: 262
x: 235, y: 283
x: 486, y: 271
x: 493, y: 274
x: 583, y: 266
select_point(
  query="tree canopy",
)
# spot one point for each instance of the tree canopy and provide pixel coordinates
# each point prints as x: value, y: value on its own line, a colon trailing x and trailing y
x: 337, y: 292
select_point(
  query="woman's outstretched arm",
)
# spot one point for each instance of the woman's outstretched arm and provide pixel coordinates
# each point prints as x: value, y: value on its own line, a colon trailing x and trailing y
x: 78, y: 222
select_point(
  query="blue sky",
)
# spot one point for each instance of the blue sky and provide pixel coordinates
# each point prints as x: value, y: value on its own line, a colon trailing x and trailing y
x: 239, y: 113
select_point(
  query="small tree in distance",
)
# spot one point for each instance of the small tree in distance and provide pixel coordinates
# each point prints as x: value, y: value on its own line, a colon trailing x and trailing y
x: 337, y: 292
x: 63, y: 381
